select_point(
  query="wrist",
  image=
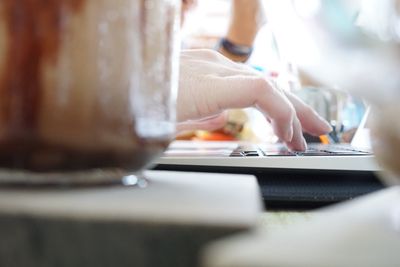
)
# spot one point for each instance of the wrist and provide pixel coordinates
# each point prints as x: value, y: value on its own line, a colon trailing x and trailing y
x: 247, y: 17
x: 234, y: 51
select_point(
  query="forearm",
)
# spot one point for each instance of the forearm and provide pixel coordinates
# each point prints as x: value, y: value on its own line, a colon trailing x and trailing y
x: 247, y: 17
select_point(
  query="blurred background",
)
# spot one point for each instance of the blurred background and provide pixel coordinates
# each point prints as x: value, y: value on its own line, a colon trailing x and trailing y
x: 333, y: 54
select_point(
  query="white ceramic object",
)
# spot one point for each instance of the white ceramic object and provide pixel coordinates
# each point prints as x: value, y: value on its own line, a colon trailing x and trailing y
x: 363, y: 232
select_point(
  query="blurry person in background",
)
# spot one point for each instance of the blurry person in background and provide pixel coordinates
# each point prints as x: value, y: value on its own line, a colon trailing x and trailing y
x: 246, y: 19
x: 212, y: 82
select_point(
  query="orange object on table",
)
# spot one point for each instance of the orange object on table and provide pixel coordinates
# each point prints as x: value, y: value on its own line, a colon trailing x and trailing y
x: 214, y: 136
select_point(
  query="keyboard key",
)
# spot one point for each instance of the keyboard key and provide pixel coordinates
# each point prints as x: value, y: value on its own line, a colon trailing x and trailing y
x: 314, y: 153
x: 251, y: 154
x: 279, y: 153
x: 236, y: 154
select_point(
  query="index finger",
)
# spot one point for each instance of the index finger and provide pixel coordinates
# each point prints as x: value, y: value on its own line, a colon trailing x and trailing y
x: 244, y: 91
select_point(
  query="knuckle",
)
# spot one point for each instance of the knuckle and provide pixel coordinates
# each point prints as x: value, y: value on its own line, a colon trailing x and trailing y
x: 261, y: 86
x: 209, y: 53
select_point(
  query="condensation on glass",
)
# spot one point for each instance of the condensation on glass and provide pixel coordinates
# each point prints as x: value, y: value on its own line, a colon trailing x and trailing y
x: 86, y: 84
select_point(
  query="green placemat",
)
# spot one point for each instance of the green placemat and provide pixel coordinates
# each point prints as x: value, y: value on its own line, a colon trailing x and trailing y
x: 274, y: 220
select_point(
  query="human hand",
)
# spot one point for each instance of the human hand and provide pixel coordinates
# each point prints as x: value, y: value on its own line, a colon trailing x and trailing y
x: 210, y: 84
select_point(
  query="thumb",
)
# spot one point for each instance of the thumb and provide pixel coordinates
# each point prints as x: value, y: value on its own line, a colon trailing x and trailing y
x: 208, y: 124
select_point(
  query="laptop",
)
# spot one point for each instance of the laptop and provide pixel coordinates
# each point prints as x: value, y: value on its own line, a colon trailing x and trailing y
x: 356, y: 156
x: 322, y: 175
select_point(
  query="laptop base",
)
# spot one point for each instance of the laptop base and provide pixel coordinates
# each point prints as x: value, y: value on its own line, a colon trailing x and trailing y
x: 298, y: 189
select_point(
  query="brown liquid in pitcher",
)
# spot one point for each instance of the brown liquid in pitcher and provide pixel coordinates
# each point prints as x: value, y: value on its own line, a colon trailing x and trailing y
x: 33, y: 31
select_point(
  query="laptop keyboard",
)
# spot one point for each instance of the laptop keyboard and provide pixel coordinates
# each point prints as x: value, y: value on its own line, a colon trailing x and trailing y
x: 312, y: 150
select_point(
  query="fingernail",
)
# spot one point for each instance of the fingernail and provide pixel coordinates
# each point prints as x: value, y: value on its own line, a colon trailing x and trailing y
x: 300, y: 147
x: 327, y: 127
x: 289, y: 134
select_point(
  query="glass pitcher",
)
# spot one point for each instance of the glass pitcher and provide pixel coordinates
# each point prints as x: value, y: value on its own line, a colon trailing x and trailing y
x: 87, y: 87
